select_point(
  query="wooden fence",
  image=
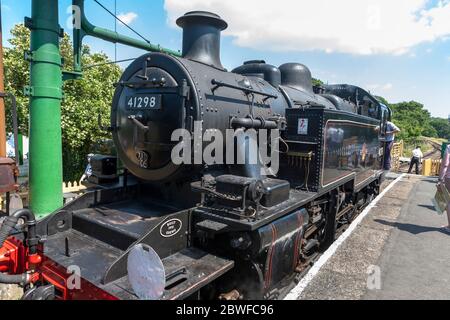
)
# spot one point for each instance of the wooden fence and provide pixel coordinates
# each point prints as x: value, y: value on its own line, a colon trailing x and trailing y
x: 71, y: 190
x: 73, y: 187
x: 431, y: 168
x: 396, y: 155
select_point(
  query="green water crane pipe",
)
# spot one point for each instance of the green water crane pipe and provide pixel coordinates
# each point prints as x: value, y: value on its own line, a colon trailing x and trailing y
x: 84, y: 28
x: 45, y: 92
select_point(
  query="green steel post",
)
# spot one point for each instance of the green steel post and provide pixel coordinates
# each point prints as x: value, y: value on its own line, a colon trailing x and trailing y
x: 45, y: 108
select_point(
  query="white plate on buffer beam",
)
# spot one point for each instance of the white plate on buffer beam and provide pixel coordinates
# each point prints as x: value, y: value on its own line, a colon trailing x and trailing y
x: 146, y: 273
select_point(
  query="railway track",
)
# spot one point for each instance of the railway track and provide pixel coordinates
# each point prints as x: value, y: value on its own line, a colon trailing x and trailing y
x: 434, y: 154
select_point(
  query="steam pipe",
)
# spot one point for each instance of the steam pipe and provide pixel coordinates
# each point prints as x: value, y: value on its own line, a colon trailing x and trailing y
x: 5, y: 230
x: 249, y: 123
x: 20, y: 279
x: 243, y: 152
x: 11, y: 222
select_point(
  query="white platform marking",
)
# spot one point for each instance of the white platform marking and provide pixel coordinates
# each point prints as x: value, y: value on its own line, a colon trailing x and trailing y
x: 297, y: 291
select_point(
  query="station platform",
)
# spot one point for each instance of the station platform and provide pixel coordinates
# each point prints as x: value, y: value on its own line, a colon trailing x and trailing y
x: 395, y: 250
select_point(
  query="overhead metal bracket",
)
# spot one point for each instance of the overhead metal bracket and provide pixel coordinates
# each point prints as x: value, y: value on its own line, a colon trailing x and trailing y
x: 85, y: 28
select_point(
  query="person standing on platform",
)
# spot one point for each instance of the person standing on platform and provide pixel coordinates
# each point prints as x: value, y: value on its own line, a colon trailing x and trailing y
x: 444, y: 179
x: 416, y: 160
x: 391, y: 131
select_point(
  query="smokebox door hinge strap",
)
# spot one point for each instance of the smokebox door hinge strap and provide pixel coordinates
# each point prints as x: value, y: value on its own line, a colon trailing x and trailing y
x: 185, y: 90
x: 43, y: 25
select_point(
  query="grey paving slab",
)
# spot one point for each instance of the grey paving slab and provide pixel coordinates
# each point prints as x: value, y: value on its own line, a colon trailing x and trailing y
x: 415, y: 263
x: 402, y: 239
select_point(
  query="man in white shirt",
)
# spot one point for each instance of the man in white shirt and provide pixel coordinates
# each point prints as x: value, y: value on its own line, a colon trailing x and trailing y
x: 416, y: 160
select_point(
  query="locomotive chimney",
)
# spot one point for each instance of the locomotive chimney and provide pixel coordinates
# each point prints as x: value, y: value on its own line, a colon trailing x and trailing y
x: 201, y: 37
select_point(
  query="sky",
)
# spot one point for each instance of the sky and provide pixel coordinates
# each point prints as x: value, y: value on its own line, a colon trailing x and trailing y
x: 398, y: 49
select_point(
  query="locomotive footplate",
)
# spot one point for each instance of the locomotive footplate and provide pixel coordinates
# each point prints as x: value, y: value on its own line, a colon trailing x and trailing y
x: 186, y: 272
x: 97, y: 240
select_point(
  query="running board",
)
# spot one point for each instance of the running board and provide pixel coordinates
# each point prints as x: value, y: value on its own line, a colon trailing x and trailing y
x: 187, y: 272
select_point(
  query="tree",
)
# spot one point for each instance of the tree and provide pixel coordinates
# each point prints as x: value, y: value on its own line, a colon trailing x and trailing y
x: 413, y: 119
x: 317, y: 82
x: 83, y: 101
x: 442, y: 127
x: 382, y: 100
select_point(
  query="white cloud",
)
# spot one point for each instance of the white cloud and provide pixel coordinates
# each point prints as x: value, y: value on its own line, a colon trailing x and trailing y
x: 387, y: 86
x: 128, y: 17
x: 349, y: 26
x: 380, y: 87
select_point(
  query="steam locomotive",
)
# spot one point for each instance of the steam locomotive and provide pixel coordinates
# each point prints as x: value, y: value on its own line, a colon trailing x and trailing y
x: 195, y: 230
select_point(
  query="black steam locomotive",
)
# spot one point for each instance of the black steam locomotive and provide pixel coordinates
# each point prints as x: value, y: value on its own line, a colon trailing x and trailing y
x: 218, y: 230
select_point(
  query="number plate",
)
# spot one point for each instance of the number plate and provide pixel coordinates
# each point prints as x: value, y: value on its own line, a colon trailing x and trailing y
x: 144, y: 102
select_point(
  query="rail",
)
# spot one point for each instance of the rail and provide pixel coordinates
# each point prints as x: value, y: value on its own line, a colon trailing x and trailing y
x: 431, y: 166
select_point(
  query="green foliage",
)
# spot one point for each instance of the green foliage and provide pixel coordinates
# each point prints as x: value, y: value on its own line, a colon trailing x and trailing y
x: 317, y: 82
x: 412, y: 118
x: 84, y: 99
x: 382, y: 100
x: 17, y: 74
x: 442, y: 127
x: 416, y: 122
